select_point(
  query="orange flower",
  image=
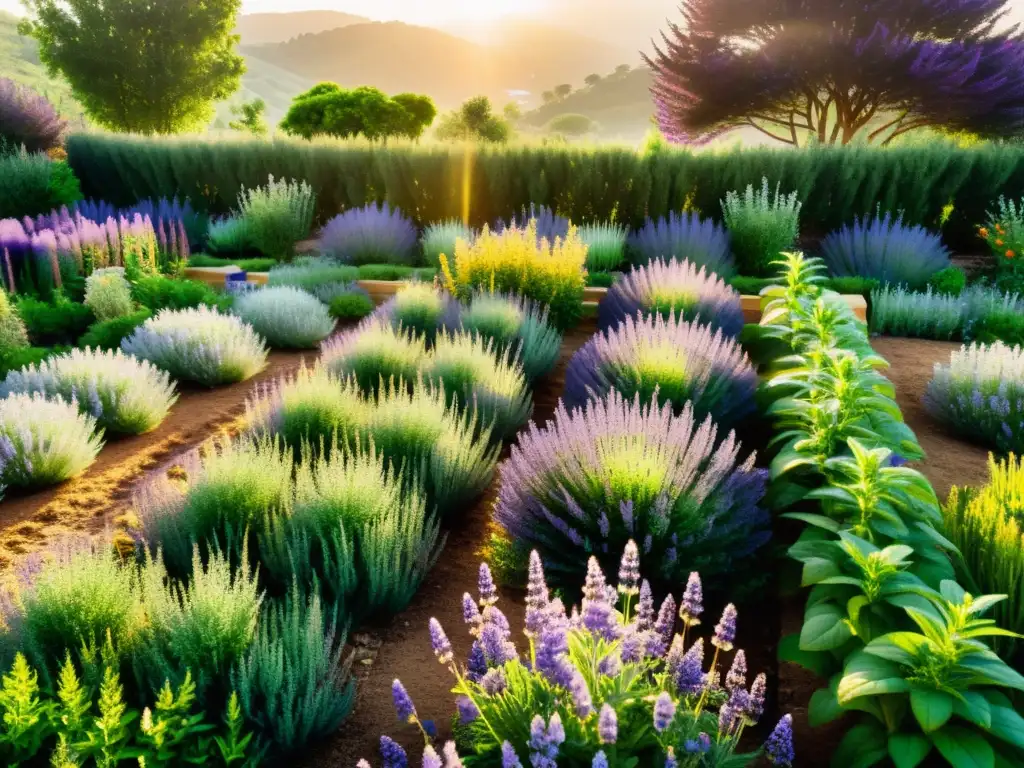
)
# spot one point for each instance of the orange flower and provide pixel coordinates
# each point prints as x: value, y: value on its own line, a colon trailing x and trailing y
x: 999, y: 229
x: 998, y: 241
x: 1009, y: 254
x: 983, y: 232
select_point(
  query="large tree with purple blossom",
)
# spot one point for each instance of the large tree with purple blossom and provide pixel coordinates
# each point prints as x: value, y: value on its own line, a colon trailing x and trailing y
x: 834, y: 70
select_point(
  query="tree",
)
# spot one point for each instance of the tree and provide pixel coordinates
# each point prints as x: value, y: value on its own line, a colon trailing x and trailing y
x: 836, y: 70
x: 474, y: 121
x: 327, y: 109
x: 622, y: 70
x: 251, y: 118
x: 512, y: 112
x: 592, y: 80
x: 571, y: 124
x: 563, y: 90
x: 547, y: 97
x: 140, y: 65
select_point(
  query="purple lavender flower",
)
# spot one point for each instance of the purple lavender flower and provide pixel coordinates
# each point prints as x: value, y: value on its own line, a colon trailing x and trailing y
x: 536, y: 597
x: 645, y: 608
x: 497, y: 650
x: 610, y: 665
x: 631, y: 649
x: 690, y: 679
x: 509, y: 759
x: 725, y: 630
x: 662, y: 633
x: 403, y: 703
x: 392, y: 754
x: 430, y: 758
x: 471, y: 614
x: 664, y: 711
x: 733, y: 712
x: 476, y: 665
x: 693, y: 601
x: 468, y: 711
x: 549, y: 224
x: 779, y: 746
x: 737, y: 675
x: 670, y: 759
x: 757, y: 696
x: 369, y: 235
x: 544, y: 742
x: 599, y: 761
x: 674, y: 657
x: 29, y: 118
x: 494, y: 682
x: 684, y: 236
x: 485, y: 583
x: 607, y: 725
x: 439, y: 640
x: 629, y: 570
x: 493, y: 615
x: 698, y: 746
x: 551, y: 653
x: 580, y: 693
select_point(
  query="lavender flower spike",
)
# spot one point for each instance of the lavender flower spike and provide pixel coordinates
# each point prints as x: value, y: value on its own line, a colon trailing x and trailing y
x: 509, y: 759
x: 600, y: 760
x: 471, y: 614
x: 439, y: 640
x: 757, y: 696
x: 536, y: 597
x: 451, y: 756
x: 725, y: 630
x: 392, y: 754
x: 488, y: 592
x: 737, y: 675
x: 693, y: 601
x: 607, y: 725
x: 645, y: 609
x: 664, y: 711
x: 690, y: 679
x: 629, y: 570
x: 403, y: 703
x: 581, y: 695
x: 661, y: 636
x: 779, y: 746
x: 430, y: 758
x: 468, y: 711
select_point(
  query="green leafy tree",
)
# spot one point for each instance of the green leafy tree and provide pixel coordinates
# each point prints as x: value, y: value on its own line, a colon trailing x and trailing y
x: 138, y: 65
x: 421, y: 113
x: 512, y: 112
x: 474, y: 121
x: 327, y: 109
x: 250, y: 117
x: 571, y: 125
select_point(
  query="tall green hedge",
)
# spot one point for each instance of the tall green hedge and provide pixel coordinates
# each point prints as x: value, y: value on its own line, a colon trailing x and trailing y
x: 585, y: 184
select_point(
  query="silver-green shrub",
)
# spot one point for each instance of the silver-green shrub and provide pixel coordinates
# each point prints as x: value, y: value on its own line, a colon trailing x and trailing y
x: 374, y: 352
x: 285, y: 316
x: 108, y: 293
x: 277, y: 216
x: 898, y: 312
x: 441, y: 237
x: 606, y: 246
x: 518, y: 324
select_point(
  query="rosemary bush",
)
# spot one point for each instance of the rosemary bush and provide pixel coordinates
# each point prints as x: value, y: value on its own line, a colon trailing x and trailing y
x: 277, y: 216
x: 421, y: 309
x: 898, y: 312
x: 374, y: 352
x: 761, y: 226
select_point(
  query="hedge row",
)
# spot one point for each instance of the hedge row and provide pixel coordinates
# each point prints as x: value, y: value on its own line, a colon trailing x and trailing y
x: 585, y: 184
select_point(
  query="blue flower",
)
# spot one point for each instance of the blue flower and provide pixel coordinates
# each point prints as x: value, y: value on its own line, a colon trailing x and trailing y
x: 664, y: 711
x: 468, y: 711
x: 392, y: 754
x: 779, y: 746
x: 725, y: 630
x: 607, y: 725
x: 403, y: 702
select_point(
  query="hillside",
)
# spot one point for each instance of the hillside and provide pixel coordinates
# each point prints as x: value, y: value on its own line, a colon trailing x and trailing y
x: 262, y: 28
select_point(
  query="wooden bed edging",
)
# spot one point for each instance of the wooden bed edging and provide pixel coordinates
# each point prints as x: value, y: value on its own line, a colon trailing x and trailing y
x: 381, y: 290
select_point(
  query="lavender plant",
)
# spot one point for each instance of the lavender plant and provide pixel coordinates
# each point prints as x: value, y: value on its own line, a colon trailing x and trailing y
x: 374, y: 352
x: 277, y: 216
x: 286, y: 317
x: 617, y: 469
x: 761, y: 227
x: 898, y: 312
x: 665, y: 287
x: 108, y: 294
x: 684, y: 237
x: 606, y: 246
x: 28, y: 119
x: 671, y: 360
x: 199, y: 345
x: 549, y: 225
x: 606, y: 685
x: 886, y: 249
x: 441, y: 238
x: 421, y: 309
x: 174, y: 214
x: 980, y: 395
x: 124, y: 395
x: 229, y: 235
x: 474, y: 374
x: 515, y: 323
x: 370, y: 235
x: 44, y: 442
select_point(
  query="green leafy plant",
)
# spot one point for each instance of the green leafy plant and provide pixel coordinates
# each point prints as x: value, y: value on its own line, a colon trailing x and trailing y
x: 13, y: 335
x: 606, y: 246
x: 441, y: 237
x: 33, y: 183
x: 761, y: 227
x: 52, y: 323
x: 108, y: 294
x: 109, y: 334
x: 950, y: 281
x: 277, y: 216
x: 373, y: 353
x: 156, y: 292
x: 286, y: 317
x: 352, y: 305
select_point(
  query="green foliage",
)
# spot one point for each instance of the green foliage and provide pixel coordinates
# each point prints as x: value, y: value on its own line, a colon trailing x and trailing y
x: 606, y: 246
x: 1004, y: 235
x: 156, y: 292
x: 228, y: 235
x: 277, y: 216
x: 110, y: 333
x: 760, y: 226
x: 52, y: 323
x: 571, y: 125
x: 987, y: 526
x: 13, y: 335
x: 31, y: 184
x: 16, y: 359
x: 751, y: 286
x: 474, y: 121
x: 329, y: 110
x: 517, y: 325
x: 373, y: 353
x: 287, y: 317
x: 950, y: 281
x: 183, y: 52
x: 440, y: 237
x: 108, y: 294
x: 421, y: 309
x: 351, y: 306
x: 600, y: 279
x: 852, y: 286
x: 928, y: 315
x: 395, y: 272
x: 250, y: 117
x: 247, y: 265
x: 1006, y: 326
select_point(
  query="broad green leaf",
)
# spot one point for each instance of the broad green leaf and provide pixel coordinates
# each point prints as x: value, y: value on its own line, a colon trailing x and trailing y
x: 818, y: 569
x: 863, y: 745
x: 963, y: 748
x: 896, y: 554
x: 952, y: 591
x: 981, y: 604
x: 821, y: 664
x: 991, y: 669
x: 824, y: 707
x: 821, y: 521
x: 900, y: 647
x: 931, y: 708
x: 973, y: 707
x: 1007, y: 725
x: 824, y: 628
x: 907, y: 750
x: 867, y: 675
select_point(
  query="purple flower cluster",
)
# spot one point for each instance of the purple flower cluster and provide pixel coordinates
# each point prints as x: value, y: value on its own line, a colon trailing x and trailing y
x: 684, y: 236
x: 174, y: 213
x: 370, y: 235
x: 575, y: 487
x: 549, y: 224
x: 681, y: 361
x: 681, y: 287
x: 28, y: 119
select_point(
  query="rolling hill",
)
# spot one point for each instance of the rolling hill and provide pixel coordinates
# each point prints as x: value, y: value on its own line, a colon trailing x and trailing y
x: 262, y: 28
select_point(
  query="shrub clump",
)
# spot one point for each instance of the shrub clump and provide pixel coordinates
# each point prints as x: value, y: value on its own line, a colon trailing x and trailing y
x: 676, y: 361
x: 51, y: 323
x: 108, y: 294
x: 124, y: 395
x: 374, y: 352
x: 352, y: 304
x: 110, y: 333
x: 286, y: 317
x: 314, y: 275
x: 980, y: 395
x: 684, y: 237
x: 156, y: 292
x: 551, y: 273
x: 596, y: 477
x: 28, y: 119
x: 606, y: 246
x: 441, y: 238
x: 886, y: 249
x: 515, y: 323
x: 200, y: 345
x: 43, y: 442
x: 761, y: 227
x: 13, y: 334
x: 277, y: 216
x: 675, y: 287
x: 421, y: 309
x: 370, y: 235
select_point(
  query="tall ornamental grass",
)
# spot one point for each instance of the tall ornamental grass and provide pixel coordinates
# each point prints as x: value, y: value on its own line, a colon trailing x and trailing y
x: 675, y: 361
x: 761, y: 227
x: 987, y: 526
x: 277, y: 216
x: 514, y: 323
x: 124, y: 395
x: 287, y: 317
x: 440, y: 237
x: 980, y: 395
x: 44, y: 442
x: 551, y: 273
x: 370, y: 235
x: 673, y: 287
x: 684, y: 237
x: 594, y: 478
x: 895, y: 311
x: 606, y: 246
x: 199, y: 345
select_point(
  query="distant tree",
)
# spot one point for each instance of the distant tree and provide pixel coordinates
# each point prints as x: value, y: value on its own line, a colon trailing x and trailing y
x: 139, y: 65
x: 622, y: 70
x: 571, y: 124
x: 512, y: 112
x: 474, y: 121
x: 327, y: 109
x: 563, y: 90
x: 837, y: 71
x: 250, y: 114
x: 547, y: 97
x: 592, y: 80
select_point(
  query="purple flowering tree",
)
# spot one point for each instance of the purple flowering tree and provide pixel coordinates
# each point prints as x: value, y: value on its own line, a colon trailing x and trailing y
x: 838, y: 69
x: 28, y: 118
